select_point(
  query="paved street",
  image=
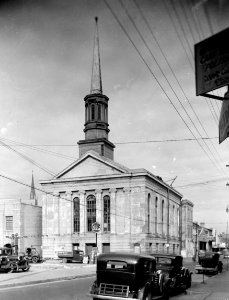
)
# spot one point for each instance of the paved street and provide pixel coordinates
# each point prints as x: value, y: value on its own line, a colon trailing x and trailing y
x: 54, y: 280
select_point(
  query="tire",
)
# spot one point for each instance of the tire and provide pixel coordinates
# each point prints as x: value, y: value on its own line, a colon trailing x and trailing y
x: 189, y: 281
x: 13, y: 268
x: 26, y: 268
x: 65, y: 260
x: 166, y: 291
x: 35, y: 259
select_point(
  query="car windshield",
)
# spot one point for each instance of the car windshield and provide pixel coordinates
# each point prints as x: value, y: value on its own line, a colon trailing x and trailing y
x: 164, y: 260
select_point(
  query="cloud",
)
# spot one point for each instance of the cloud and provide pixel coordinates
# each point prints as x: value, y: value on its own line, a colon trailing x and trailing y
x: 4, y: 130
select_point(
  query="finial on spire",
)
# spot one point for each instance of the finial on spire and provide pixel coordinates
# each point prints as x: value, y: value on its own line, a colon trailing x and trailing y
x: 96, y: 80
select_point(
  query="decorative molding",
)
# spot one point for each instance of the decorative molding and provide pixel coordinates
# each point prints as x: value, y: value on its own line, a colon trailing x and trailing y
x: 112, y: 190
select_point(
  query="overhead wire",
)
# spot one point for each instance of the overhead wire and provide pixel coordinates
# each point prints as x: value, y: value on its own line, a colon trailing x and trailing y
x: 190, y: 49
x: 168, y: 82
x: 26, y: 158
x: 167, y: 62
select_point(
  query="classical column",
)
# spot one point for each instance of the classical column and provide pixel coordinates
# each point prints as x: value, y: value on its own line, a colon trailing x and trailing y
x: 113, y: 210
x: 99, y: 217
x: 127, y: 210
x: 83, y: 212
x: 69, y: 213
x: 99, y: 206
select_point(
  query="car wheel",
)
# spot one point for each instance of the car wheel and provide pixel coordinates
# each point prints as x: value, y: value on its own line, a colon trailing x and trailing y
x: 65, y: 260
x: 26, y: 268
x: 13, y: 268
x: 189, y: 281
x: 35, y: 259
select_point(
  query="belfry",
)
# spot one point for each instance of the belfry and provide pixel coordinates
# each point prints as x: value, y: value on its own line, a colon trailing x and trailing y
x: 96, y: 111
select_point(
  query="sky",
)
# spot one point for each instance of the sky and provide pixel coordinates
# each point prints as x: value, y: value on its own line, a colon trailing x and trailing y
x: 155, y: 118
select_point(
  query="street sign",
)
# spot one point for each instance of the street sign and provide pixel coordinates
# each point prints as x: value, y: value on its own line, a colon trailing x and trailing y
x: 95, y: 227
x: 212, y: 63
x: 224, y: 120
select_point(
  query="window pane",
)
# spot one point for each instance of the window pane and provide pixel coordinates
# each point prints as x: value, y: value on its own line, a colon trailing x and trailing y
x: 91, y: 211
x: 76, y: 214
x: 9, y: 223
x: 106, y: 213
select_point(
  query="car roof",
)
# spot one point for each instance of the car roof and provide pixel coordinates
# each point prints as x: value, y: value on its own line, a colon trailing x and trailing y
x: 124, y: 256
x: 166, y: 255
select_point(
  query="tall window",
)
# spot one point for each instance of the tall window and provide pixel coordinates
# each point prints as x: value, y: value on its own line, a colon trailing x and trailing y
x: 156, y: 202
x: 99, y: 111
x: 76, y: 214
x: 91, y: 211
x: 162, y: 215
x: 9, y: 222
x: 106, y: 214
x: 93, y: 111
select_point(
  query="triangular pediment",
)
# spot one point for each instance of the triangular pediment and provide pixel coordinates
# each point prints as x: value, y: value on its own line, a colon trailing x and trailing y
x: 92, y: 164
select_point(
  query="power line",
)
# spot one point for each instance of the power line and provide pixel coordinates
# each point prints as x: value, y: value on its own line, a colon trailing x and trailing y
x: 167, y: 62
x: 158, y: 65
x: 26, y: 158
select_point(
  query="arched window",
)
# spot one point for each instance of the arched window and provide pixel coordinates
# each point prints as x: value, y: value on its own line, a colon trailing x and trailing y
x: 93, y: 111
x: 156, y: 203
x: 91, y: 211
x: 106, y: 214
x: 162, y: 215
x: 76, y: 214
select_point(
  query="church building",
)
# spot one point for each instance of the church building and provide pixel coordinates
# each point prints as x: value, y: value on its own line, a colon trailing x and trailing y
x: 98, y: 203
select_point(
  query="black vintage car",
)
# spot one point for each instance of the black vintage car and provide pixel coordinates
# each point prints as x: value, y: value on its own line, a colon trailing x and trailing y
x: 120, y: 276
x: 209, y: 262
x: 11, y: 262
x: 172, y: 267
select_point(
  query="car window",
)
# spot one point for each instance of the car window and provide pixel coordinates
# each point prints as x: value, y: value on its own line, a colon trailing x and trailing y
x: 117, y: 265
x: 164, y: 261
x: 147, y: 266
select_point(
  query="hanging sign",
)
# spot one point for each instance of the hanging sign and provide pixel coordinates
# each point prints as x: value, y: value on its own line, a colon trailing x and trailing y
x: 212, y: 63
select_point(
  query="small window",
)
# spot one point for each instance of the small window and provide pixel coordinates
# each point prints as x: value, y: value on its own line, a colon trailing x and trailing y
x: 9, y: 222
x: 92, y: 111
x: 117, y: 265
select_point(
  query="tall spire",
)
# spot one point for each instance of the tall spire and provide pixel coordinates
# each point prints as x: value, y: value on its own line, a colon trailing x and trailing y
x: 32, y: 191
x: 96, y: 80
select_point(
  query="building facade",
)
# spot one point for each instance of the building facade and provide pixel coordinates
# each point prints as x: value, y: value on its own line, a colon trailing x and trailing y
x: 136, y: 210
x: 203, y: 237
x: 187, y: 228
x: 21, y: 222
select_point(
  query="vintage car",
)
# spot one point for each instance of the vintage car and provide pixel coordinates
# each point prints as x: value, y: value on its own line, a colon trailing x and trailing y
x: 172, y: 267
x: 71, y: 256
x: 209, y: 262
x: 32, y: 255
x: 120, y: 276
x: 10, y: 262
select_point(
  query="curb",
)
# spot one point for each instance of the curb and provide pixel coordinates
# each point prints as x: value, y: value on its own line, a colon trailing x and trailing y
x: 45, y: 281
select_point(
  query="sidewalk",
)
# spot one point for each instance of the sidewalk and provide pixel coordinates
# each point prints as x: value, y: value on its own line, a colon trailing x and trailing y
x: 47, y: 272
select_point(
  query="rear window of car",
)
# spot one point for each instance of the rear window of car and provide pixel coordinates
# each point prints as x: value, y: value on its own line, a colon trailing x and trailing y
x: 164, y: 261
x: 113, y: 265
x: 117, y: 265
